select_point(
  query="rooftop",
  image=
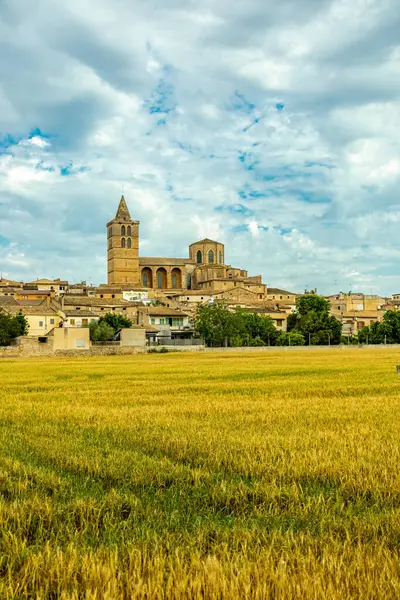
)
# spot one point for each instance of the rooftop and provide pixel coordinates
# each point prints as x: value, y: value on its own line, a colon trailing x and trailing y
x: 158, y: 260
x: 163, y: 311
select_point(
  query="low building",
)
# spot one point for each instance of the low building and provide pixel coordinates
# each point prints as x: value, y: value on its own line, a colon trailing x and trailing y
x: 28, y: 293
x: 165, y: 322
x: 81, y: 318
x: 41, y: 317
x: 57, y: 286
x: 98, y: 306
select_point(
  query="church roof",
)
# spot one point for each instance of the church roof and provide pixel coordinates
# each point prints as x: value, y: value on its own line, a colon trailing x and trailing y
x: 206, y: 241
x: 123, y: 211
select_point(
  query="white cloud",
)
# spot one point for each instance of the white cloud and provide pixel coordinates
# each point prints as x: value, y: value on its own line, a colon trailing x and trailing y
x: 271, y: 126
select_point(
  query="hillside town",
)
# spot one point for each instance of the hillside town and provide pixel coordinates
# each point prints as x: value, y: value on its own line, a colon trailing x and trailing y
x: 160, y: 295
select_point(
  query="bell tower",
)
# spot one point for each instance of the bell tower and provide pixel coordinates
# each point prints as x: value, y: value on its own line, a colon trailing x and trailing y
x: 123, y: 248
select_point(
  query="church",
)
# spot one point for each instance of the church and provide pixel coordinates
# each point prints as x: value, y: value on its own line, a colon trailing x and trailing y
x: 204, y: 269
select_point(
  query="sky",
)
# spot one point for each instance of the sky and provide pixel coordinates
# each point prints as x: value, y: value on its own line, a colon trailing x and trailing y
x: 270, y: 126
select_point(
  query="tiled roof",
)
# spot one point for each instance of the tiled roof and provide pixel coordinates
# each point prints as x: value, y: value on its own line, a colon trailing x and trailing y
x: 162, y: 311
x: 80, y: 313
x: 162, y: 261
x: 206, y: 241
x: 94, y: 301
x: 281, y: 292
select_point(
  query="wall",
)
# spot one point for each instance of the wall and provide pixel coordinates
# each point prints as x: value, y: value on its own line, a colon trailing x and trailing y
x: 34, y: 321
x: 71, y: 338
x: 133, y: 337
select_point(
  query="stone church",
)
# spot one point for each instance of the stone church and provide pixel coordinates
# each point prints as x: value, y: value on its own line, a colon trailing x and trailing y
x: 204, y: 269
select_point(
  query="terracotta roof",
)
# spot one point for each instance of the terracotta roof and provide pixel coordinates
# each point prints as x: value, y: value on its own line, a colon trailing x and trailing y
x: 34, y: 292
x: 189, y: 293
x: 278, y: 291
x: 158, y: 261
x: 163, y: 311
x: 48, y: 281
x: 80, y: 313
x: 94, y: 301
x: 206, y: 241
x: 7, y: 301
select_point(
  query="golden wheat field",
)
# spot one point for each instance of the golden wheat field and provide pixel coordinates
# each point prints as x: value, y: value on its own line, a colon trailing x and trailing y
x: 217, y: 476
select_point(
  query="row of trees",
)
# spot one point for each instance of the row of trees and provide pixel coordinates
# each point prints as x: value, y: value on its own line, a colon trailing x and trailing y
x: 12, y: 327
x: 313, y: 321
x: 310, y: 324
x: 386, y: 332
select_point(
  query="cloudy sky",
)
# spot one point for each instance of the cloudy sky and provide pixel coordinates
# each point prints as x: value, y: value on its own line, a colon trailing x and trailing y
x: 272, y: 126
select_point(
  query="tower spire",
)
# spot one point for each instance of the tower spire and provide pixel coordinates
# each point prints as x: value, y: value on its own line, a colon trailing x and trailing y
x: 123, y: 212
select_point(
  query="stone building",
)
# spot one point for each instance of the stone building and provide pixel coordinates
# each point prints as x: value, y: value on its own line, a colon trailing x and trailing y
x: 204, y: 269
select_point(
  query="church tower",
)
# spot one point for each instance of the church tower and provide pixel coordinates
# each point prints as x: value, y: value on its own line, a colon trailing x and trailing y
x: 123, y: 248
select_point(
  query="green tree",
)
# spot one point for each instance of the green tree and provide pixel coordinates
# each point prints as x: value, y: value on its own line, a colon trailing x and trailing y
x: 101, y: 332
x: 378, y: 333
x: 116, y: 321
x: 219, y: 326
x: 291, y: 338
x: 313, y: 321
x: 21, y: 324
x: 12, y: 327
x: 216, y: 325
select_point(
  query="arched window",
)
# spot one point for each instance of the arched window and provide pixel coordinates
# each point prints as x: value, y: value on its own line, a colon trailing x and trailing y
x: 129, y: 243
x: 129, y: 230
x: 123, y: 230
x: 189, y: 281
x: 123, y: 243
x: 210, y: 257
x: 159, y: 280
x: 220, y: 257
x: 199, y: 257
x: 145, y: 280
x: 174, y: 281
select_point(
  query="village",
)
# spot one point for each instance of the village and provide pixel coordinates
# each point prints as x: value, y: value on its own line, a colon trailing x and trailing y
x: 160, y: 295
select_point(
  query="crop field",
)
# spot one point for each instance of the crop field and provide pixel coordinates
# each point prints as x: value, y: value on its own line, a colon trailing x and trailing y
x: 217, y: 476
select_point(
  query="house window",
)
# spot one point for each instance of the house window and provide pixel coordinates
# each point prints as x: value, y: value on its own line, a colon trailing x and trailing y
x: 78, y: 308
x: 129, y: 243
x: 220, y: 257
x: 153, y: 321
x: 199, y: 258
x: 123, y: 243
x: 40, y: 323
x: 129, y: 230
x: 51, y: 321
x: 84, y: 321
x: 280, y: 297
x: 279, y: 322
x: 211, y: 257
x: 159, y: 280
x: 72, y: 321
x: 124, y: 308
x: 123, y: 230
x: 112, y: 295
x: 162, y: 321
x: 145, y: 280
x: 189, y: 281
x: 174, y: 281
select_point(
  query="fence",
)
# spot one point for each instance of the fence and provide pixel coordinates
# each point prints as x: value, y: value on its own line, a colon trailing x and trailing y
x: 168, y: 341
